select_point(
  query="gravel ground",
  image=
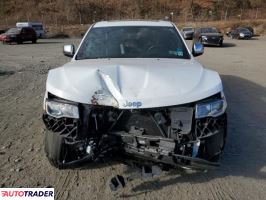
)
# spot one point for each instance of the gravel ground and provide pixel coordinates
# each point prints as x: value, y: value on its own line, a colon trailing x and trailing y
x: 23, y: 71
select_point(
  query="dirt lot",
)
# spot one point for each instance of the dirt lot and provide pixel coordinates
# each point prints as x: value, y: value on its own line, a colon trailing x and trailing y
x: 242, y: 175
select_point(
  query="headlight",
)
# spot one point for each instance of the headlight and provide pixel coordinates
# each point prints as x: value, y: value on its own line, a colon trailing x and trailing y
x: 242, y: 35
x: 204, y: 37
x: 213, y: 108
x: 58, y: 110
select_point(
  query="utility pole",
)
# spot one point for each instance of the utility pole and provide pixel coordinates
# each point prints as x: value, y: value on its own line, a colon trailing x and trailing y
x: 172, y: 16
x: 80, y: 17
x: 226, y: 12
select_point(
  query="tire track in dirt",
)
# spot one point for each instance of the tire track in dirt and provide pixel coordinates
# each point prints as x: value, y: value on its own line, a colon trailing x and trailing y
x: 63, y: 183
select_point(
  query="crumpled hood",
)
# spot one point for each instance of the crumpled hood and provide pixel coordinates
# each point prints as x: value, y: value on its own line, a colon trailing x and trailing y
x: 133, y: 83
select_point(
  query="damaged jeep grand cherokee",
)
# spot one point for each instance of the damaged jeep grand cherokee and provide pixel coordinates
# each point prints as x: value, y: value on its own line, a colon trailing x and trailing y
x: 134, y: 90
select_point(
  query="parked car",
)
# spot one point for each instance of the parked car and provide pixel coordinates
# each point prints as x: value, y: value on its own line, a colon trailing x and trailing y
x: 250, y: 29
x: 134, y: 90
x: 188, y: 33
x: 37, y: 26
x: 19, y: 35
x: 240, y: 33
x: 208, y: 36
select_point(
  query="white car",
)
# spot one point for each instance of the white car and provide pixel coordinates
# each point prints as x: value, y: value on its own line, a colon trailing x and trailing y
x: 133, y: 91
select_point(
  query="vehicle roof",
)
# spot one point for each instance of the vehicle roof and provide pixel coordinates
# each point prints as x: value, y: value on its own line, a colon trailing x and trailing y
x: 133, y: 23
x: 242, y: 28
x: 208, y: 27
x: 20, y: 28
x: 17, y: 28
x: 29, y: 23
x: 246, y: 27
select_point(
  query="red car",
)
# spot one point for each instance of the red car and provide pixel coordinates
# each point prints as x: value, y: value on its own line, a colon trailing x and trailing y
x: 19, y: 35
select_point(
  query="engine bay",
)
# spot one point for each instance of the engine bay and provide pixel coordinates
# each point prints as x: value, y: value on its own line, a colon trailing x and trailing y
x: 168, y: 135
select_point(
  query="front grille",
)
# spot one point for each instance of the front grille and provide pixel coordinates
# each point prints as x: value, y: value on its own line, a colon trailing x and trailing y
x: 139, y: 119
x: 213, y: 39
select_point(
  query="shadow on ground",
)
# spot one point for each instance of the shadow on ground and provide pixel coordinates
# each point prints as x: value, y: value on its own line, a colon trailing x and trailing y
x: 44, y: 42
x: 6, y: 73
x: 48, y: 42
x: 254, y: 38
x: 225, y: 45
x: 244, y: 153
x: 228, y: 44
x: 37, y: 43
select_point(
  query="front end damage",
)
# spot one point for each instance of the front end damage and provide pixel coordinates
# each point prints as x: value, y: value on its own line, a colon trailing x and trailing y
x: 184, y: 135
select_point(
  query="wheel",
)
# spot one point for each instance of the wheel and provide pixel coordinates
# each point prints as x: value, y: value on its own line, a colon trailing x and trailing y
x: 54, y: 148
x: 214, y: 145
x: 34, y: 41
x: 19, y: 41
x: 221, y: 44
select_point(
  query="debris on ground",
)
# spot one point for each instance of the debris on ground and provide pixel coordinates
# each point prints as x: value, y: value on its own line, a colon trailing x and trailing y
x: 117, y: 182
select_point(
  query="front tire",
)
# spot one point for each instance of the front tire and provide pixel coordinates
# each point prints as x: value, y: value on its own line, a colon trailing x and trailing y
x: 215, y: 144
x: 54, y: 148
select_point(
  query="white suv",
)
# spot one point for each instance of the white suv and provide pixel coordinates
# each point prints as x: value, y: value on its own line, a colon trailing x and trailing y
x: 133, y: 90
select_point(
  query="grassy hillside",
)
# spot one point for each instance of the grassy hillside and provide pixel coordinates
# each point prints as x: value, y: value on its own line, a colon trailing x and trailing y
x: 87, y: 11
x: 66, y: 16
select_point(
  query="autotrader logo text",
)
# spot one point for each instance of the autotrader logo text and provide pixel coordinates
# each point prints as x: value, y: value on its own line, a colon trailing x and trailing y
x: 27, y: 193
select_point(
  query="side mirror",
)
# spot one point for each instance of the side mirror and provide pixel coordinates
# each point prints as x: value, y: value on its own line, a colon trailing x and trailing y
x: 197, y: 49
x: 69, y: 50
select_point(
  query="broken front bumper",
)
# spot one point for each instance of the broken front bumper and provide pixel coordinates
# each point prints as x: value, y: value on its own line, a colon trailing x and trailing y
x: 197, y: 148
x: 208, y: 131
x: 160, y: 150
